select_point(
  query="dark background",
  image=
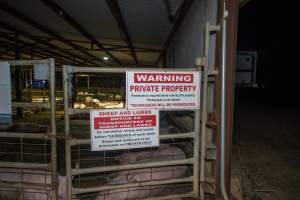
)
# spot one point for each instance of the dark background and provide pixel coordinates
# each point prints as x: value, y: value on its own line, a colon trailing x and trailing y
x: 271, y: 29
x: 266, y: 135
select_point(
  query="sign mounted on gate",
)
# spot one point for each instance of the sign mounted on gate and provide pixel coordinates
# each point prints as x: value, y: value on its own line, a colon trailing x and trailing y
x: 114, y: 129
x: 163, y: 90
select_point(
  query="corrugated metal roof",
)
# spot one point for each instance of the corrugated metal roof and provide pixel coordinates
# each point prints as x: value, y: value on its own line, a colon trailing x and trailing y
x: 147, y: 22
x: 37, y: 11
x: 174, y: 5
x: 94, y: 16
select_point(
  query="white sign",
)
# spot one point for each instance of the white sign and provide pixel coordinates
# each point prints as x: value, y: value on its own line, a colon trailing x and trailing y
x: 172, y: 90
x: 113, y: 129
x: 5, y: 93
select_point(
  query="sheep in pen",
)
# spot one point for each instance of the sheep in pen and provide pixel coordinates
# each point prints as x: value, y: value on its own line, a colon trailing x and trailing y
x: 30, y: 151
x: 169, y: 150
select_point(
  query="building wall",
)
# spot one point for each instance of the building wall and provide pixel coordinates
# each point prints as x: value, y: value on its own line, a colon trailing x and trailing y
x: 188, y: 42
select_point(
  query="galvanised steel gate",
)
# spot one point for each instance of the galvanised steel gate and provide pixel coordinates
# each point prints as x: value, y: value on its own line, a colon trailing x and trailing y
x: 201, y: 137
x: 71, y: 141
x: 11, y: 141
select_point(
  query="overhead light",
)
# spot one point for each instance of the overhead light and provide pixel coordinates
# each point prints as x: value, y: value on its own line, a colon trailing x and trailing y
x: 105, y: 58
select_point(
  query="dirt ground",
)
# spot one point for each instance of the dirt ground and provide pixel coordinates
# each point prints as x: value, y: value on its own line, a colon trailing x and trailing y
x: 266, y: 148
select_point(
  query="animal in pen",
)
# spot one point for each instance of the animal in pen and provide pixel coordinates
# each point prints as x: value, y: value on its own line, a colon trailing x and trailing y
x: 20, y: 148
x: 33, y: 177
x: 26, y: 184
x: 165, y: 153
x: 25, y: 128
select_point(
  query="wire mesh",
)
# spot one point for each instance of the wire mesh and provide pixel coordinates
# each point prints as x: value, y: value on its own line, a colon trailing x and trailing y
x: 28, y: 146
x: 98, y: 175
x: 24, y: 151
x: 82, y: 157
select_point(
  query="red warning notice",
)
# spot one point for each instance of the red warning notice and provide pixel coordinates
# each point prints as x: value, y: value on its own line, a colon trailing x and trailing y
x: 124, y: 129
x: 171, y: 90
x: 162, y: 78
x: 124, y: 122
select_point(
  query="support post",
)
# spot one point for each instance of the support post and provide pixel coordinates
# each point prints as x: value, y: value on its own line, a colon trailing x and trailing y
x: 53, y: 128
x: 67, y: 133
x: 231, y: 33
x: 197, y: 163
x: 18, y: 79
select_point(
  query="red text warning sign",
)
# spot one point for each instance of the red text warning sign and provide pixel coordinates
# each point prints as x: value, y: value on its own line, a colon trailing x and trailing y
x: 124, y: 122
x: 124, y: 129
x: 173, y: 90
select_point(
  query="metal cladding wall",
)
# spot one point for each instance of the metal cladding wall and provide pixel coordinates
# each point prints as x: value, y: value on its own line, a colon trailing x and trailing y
x: 188, y: 42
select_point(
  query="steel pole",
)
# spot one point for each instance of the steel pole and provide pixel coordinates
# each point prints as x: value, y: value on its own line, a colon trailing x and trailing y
x: 53, y: 128
x: 67, y: 133
x: 223, y: 104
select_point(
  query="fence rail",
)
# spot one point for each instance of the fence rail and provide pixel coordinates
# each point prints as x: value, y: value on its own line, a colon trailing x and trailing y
x: 49, y: 136
x: 71, y: 142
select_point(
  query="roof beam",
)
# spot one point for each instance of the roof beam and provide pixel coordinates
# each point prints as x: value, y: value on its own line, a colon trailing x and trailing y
x: 11, y: 11
x: 116, y: 12
x: 244, y: 2
x: 25, y: 45
x: 4, y: 52
x: 183, y: 11
x: 51, y: 4
x: 29, y: 45
x: 29, y: 52
x: 168, y: 9
x: 106, y: 45
x: 36, y: 43
x: 27, y: 35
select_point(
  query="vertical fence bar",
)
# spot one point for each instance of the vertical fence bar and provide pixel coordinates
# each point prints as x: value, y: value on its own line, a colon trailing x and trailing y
x: 53, y: 128
x: 223, y: 103
x: 51, y: 134
x: 67, y: 133
x: 204, y: 108
x: 197, y: 115
x: 196, y: 153
x: 196, y: 149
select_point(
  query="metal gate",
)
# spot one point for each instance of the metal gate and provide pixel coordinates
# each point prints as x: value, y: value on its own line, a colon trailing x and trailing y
x: 11, y: 141
x: 201, y: 136
x: 74, y: 170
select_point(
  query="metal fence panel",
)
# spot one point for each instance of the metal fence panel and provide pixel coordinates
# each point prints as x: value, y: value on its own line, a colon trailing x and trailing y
x: 17, y: 165
x: 103, y: 166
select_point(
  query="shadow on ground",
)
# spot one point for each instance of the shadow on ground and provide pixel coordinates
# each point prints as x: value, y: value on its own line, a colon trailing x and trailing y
x: 266, y: 145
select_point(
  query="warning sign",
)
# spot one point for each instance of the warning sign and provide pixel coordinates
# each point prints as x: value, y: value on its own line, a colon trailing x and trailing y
x: 173, y: 90
x: 115, y: 129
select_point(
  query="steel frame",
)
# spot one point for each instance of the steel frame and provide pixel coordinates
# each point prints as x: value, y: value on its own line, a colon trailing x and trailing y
x: 183, y: 10
x: 205, y: 142
x: 15, y: 13
x: 70, y: 172
x: 40, y: 41
x: 51, y: 4
x: 50, y: 136
x: 116, y: 12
